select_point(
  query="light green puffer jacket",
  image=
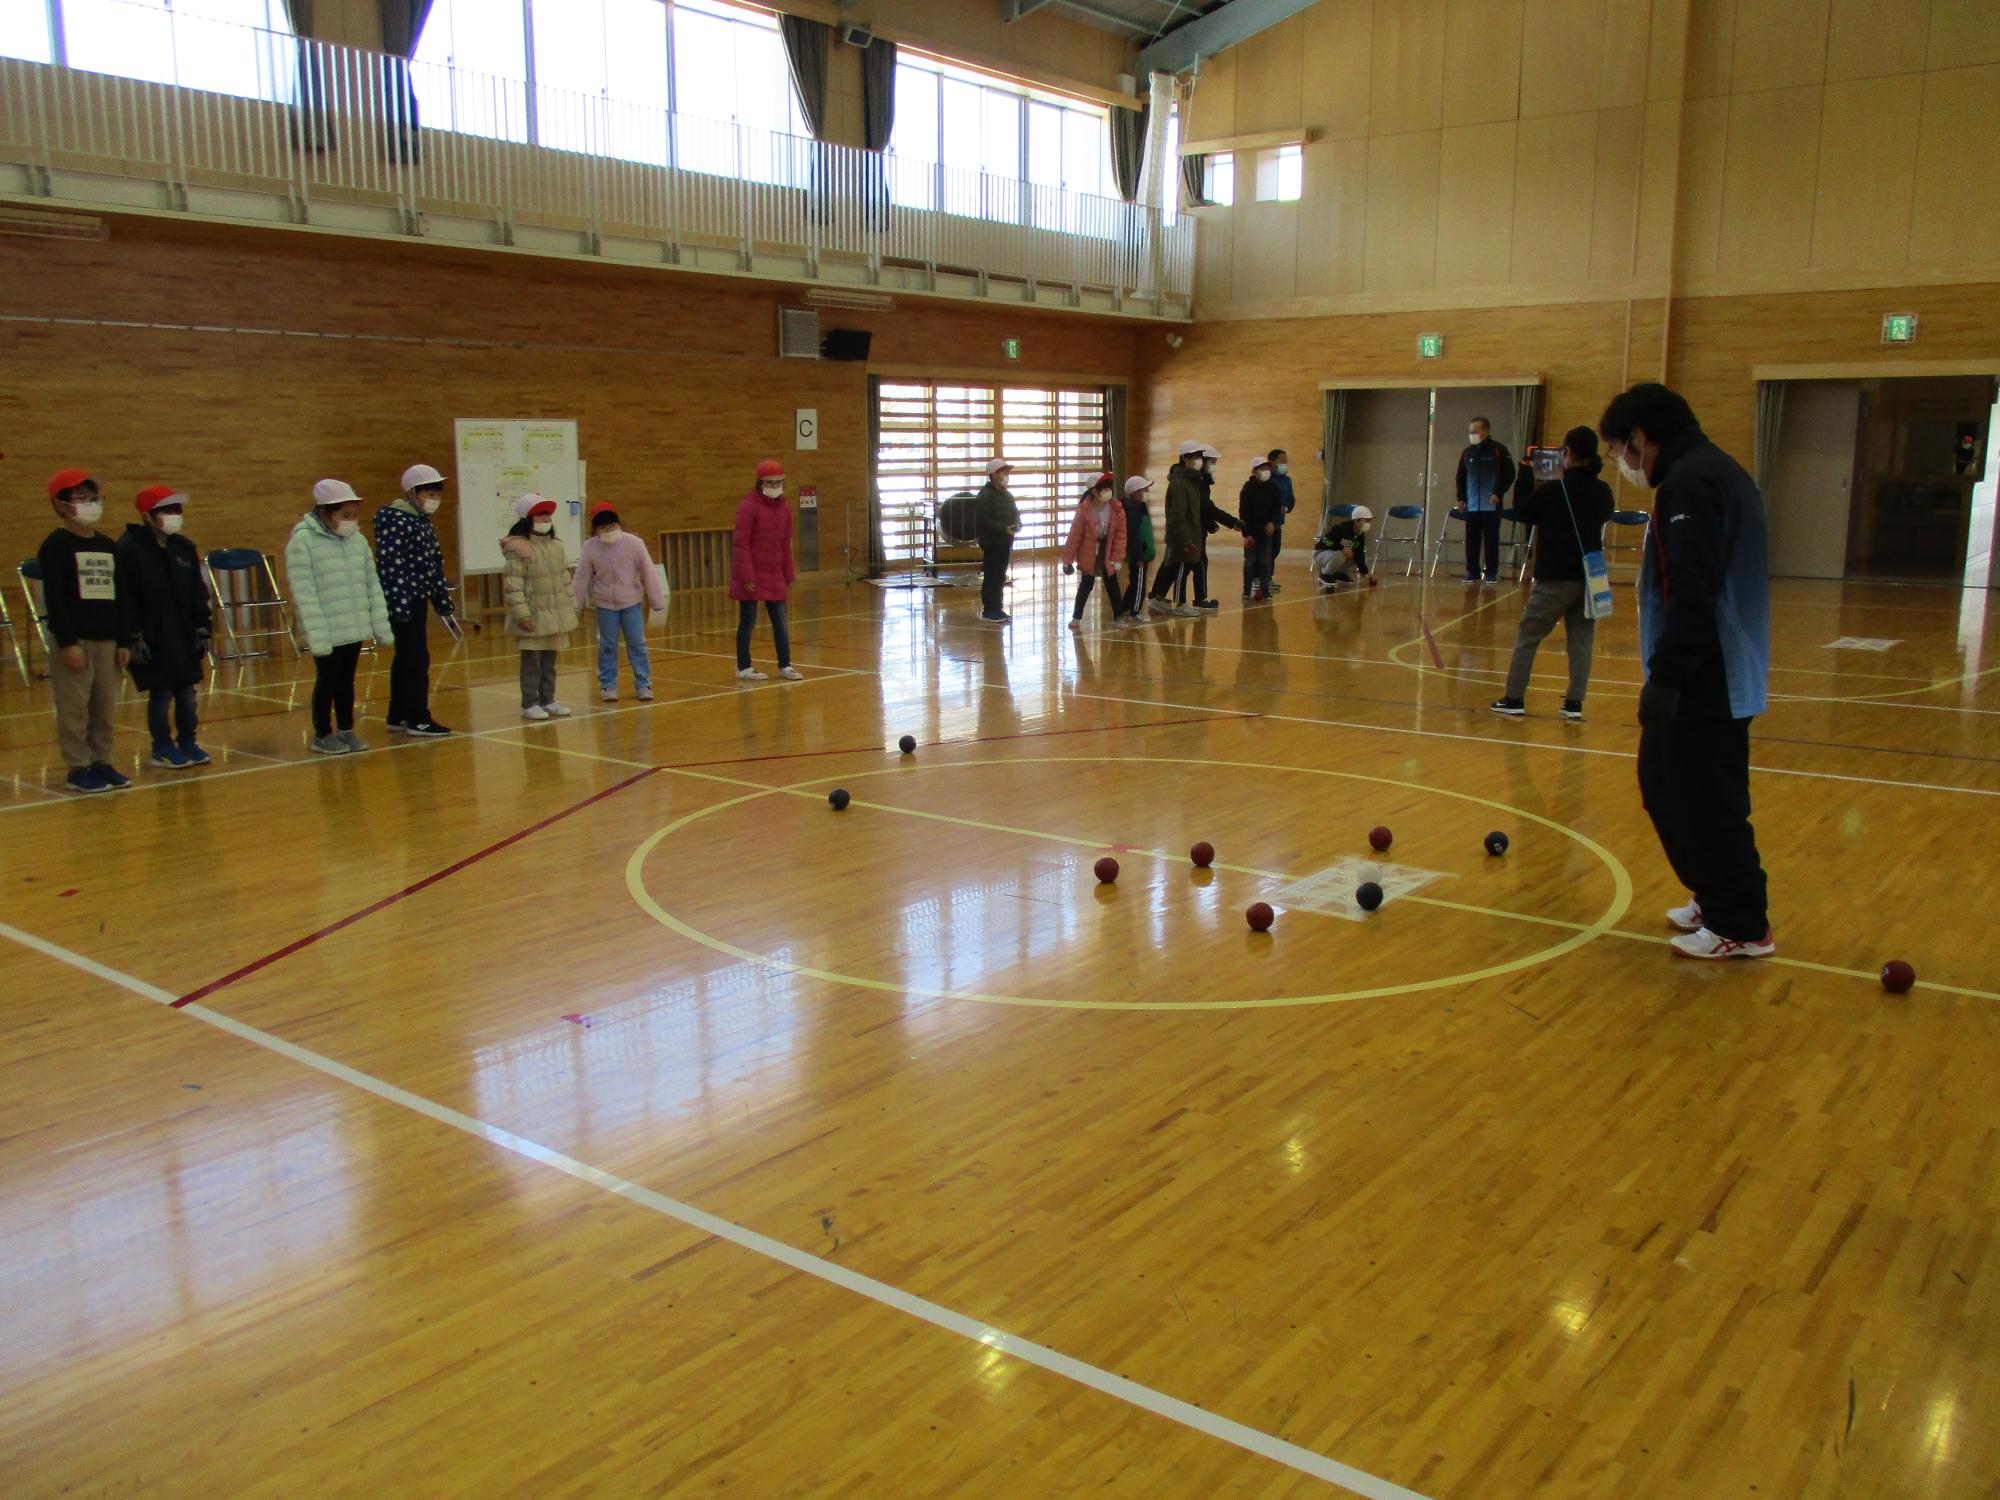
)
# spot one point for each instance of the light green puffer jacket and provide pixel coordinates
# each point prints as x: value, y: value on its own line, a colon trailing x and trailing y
x: 335, y: 591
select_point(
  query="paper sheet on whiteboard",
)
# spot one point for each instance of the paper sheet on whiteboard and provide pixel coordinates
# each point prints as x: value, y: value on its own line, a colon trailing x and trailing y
x: 500, y: 460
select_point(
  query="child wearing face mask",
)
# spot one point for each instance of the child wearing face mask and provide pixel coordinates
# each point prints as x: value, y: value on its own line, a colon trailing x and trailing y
x: 1097, y: 540
x: 166, y: 607
x: 81, y: 605
x: 540, y: 610
x: 412, y: 568
x: 615, y: 574
x: 338, y: 599
x: 1281, y: 476
x: 1259, y: 507
x: 1341, y: 553
x: 1140, y: 549
x: 762, y: 569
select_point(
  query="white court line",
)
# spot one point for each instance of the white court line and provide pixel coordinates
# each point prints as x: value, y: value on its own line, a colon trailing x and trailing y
x: 1144, y: 1397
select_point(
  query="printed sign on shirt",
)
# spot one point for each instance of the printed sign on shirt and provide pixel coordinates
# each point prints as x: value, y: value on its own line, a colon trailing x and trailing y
x: 96, y: 575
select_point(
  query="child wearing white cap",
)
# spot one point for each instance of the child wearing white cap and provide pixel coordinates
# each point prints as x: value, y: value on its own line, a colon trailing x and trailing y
x: 996, y: 522
x: 412, y: 568
x: 1139, y: 549
x: 337, y: 596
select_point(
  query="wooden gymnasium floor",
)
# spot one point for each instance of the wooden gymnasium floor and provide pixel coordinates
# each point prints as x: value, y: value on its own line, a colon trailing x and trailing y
x: 1020, y: 1187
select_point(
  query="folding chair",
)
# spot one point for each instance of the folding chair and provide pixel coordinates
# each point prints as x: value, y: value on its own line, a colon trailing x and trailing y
x: 38, y: 611
x: 1518, y: 539
x: 233, y: 574
x: 1413, y: 536
x: 1626, y: 519
x: 14, y: 638
x: 1456, y: 513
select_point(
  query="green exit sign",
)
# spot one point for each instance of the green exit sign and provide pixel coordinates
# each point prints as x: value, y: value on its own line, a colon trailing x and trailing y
x: 1899, y: 328
x: 1430, y: 346
x: 1012, y: 347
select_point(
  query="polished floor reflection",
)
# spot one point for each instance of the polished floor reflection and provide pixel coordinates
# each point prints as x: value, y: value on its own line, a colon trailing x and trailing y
x: 1481, y: 1194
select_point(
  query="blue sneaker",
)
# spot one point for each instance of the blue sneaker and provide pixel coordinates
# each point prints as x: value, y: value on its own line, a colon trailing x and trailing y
x: 113, y: 779
x: 85, y: 781
x: 169, y: 758
x: 193, y: 754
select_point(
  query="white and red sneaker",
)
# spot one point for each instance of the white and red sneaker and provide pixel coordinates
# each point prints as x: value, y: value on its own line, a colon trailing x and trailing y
x: 1687, y: 918
x: 1706, y: 944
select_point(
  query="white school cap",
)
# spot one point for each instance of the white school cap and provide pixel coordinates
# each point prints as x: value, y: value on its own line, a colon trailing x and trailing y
x: 1190, y: 449
x: 418, y: 475
x: 1138, y: 484
x: 994, y: 466
x: 333, y: 492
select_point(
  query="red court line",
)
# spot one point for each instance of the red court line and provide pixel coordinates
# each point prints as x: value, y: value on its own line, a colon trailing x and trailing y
x: 1431, y: 641
x: 409, y: 890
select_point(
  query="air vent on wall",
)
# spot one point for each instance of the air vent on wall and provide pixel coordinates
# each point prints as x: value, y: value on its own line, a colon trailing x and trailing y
x: 856, y: 36
x: 798, y: 333
x: 829, y: 296
x: 36, y: 224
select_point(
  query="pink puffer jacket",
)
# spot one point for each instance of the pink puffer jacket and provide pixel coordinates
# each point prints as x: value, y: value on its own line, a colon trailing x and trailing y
x: 1081, y: 548
x: 763, y: 552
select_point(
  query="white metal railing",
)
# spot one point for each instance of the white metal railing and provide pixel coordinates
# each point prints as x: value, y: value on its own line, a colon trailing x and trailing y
x: 317, y: 121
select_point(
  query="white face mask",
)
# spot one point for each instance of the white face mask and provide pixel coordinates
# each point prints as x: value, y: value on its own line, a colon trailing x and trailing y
x: 1208, y: 465
x: 1633, y: 476
x: 170, y: 523
x: 347, y: 528
x: 89, y: 512
x: 544, y: 525
x: 773, y: 488
x: 1262, y: 475
x: 1475, y: 438
x: 1284, y: 468
x: 607, y: 533
x: 430, y: 504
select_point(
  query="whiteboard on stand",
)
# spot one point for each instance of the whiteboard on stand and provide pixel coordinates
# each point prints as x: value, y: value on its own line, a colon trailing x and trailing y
x: 501, y: 459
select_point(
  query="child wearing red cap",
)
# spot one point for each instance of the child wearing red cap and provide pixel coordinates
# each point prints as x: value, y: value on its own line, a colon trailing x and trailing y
x: 615, y: 575
x: 1097, y: 541
x: 762, y: 569
x: 540, y: 611
x: 80, y: 603
x: 165, y: 601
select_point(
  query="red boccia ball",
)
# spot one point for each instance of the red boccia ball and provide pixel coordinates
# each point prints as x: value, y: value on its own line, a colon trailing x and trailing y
x: 1379, y: 838
x: 1203, y: 854
x: 1897, y: 976
x: 1260, y: 916
x: 1107, y: 869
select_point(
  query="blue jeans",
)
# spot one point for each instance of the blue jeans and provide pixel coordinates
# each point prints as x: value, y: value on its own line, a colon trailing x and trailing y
x: 181, y: 700
x: 629, y: 622
x: 746, y: 620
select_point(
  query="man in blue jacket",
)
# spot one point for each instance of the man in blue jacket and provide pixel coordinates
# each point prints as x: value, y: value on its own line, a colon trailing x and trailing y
x: 1485, y: 476
x: 1705, y: 641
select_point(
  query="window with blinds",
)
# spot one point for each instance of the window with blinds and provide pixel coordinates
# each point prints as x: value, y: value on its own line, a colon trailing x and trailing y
x: 937, y: 437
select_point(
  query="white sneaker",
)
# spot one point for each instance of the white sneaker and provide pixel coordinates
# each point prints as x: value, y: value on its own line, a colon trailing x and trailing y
x: 609, y: 695
x: 535, y: 711
x: 556, y: 710
x: 1076, y: 624
x: 791, y: 674
x: 1706, y: 944
x: 750, y: 674
x: 1687, y: 918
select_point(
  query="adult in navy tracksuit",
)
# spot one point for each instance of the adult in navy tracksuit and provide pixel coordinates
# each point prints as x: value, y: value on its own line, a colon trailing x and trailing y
x: 1705, y: 639
x: 1485, y: 477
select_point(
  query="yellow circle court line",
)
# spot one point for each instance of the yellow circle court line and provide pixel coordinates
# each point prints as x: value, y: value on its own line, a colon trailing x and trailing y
x: 635, y: 882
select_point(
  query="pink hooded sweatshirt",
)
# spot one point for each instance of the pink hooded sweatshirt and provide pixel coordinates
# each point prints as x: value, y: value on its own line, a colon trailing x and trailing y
x: 763, y: 551
x: 617, y: 573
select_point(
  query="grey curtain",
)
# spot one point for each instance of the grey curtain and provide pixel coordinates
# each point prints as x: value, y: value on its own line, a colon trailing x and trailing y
x: 875, y: 549
x: 878, y: 94
x: 806, y: 44
x: 1333, y: 434
x: 1770, y: 413
x: 402, y: 23
x: 1128, y: 149
x: 301, y: 12
x: 1194, y: 180
x: 1527, y: 418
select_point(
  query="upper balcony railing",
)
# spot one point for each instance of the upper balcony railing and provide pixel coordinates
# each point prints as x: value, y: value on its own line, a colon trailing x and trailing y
x: 322, y: 133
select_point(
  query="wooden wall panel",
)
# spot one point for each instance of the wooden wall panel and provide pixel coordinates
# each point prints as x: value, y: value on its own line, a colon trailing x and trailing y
x: 1622, y: 71
x: 1870, y: 38
x: 1779, y: 44
x: 1963, y: 34
x: 1406, y: 67
x: 1402, y: 210
x: 1269, y: 72
x: 1561, y: 46
x: 1955, y: 216
x: 1482, y: 61
x: 1711, y: 48
x: 673, y: 378
x: 1704, y: 153
x: 1476, y: 204
x: 1867, y: 168
x: 1619, y: 161
x: 1333, y: 219
x: 1336, y: 44
x: 1554, y: 192
x: 1265, y: 239
x: 1768, y: 181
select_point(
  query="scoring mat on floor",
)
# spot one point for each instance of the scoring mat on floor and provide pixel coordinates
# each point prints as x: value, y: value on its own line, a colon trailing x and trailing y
x: 1330, y: 892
